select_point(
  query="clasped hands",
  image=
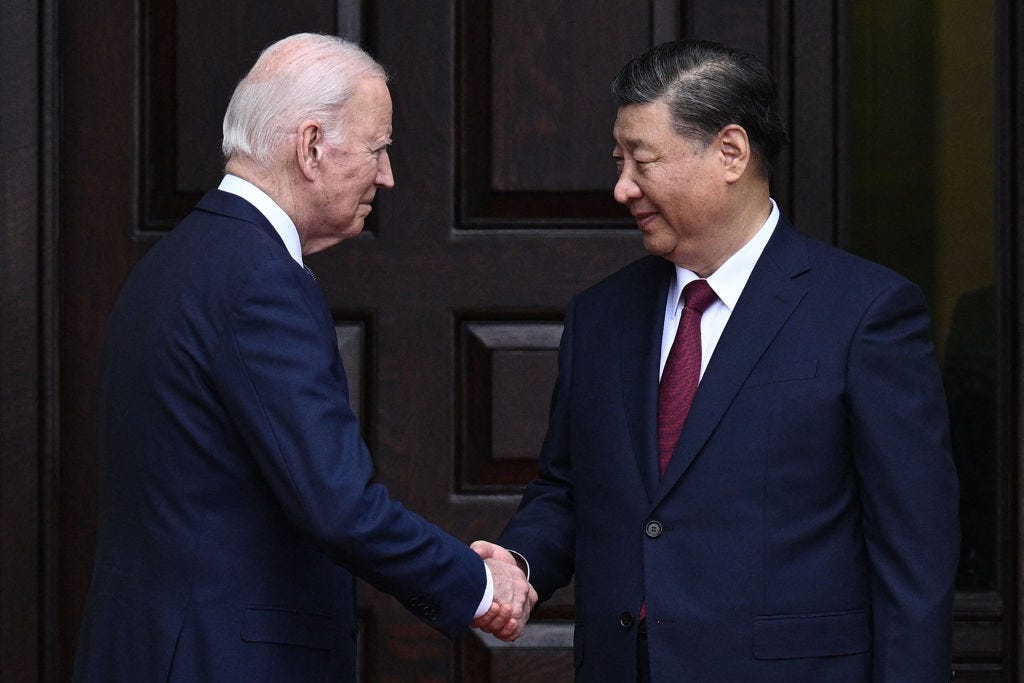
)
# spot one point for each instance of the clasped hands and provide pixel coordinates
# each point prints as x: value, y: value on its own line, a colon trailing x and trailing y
x: 514, y: 597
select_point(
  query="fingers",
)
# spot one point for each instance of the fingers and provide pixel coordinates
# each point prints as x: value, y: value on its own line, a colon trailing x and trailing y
x: 514, y: 597
x: 499, y: 623
x: 510, y: 586
x: 495, y: 619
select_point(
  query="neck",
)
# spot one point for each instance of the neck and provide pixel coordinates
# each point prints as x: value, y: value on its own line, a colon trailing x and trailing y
x: 275, y: 184
x: 733, y: 233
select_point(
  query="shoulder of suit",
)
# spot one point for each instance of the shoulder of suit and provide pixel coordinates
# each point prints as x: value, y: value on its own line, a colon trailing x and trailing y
x: 218, y: 251
x: 645, y: 274
x: 846, y: 275
x: 847, y: 262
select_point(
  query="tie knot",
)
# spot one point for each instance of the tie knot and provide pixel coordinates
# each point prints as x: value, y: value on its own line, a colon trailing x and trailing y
x: 698, y: 295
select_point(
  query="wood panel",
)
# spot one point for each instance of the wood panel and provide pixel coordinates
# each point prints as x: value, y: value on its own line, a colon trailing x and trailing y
x: 535, y: 50
x: 25, y: 360
x: 535, y: 108
x: 506, y: 369
x: 97, y: 216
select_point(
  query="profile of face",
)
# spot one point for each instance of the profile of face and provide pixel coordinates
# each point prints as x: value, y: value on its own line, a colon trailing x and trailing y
x: 350, y: 171
x: 671, y: 184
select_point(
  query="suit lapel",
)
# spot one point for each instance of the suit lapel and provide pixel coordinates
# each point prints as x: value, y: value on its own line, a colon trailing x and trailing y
x: 641, y: 356
x: 768, y: 299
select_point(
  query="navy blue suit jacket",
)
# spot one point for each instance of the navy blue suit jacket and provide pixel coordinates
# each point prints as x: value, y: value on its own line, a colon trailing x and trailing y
x: 236, y: 495
x: 806, y: 528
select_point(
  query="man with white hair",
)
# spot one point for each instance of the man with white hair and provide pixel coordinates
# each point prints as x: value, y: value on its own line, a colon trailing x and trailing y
x: 237, y: 498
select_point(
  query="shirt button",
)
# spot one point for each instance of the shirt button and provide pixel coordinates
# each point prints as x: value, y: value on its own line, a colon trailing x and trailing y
x: 653, y: 528
x: 626, y: 620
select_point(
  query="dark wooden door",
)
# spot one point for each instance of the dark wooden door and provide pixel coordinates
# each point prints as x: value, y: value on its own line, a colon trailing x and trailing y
x: 449, y: 306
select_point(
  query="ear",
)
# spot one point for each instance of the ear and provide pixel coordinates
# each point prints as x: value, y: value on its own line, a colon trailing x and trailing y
x: 734, y: 147
x: 309, y: 147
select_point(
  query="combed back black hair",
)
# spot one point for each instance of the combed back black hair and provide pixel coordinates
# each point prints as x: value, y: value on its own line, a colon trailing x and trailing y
x: 707, y: 87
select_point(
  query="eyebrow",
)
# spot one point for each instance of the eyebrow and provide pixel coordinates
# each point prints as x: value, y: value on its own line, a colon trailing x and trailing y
x: 630, y: 141
x: 633, y: 145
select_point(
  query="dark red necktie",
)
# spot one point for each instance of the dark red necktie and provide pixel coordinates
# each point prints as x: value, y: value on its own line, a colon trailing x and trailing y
x: 680, y: 377
x: 682, y: 370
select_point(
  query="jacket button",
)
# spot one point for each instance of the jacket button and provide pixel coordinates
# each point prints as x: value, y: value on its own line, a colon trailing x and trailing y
x: 653, y: 528
x: 626, y: 620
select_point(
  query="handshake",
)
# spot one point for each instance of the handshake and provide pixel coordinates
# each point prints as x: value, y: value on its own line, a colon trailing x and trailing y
x: 514, y: 597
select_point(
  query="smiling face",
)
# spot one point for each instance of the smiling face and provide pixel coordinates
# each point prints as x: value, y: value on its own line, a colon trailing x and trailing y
x: 674, y: 186
x: 351, y: 170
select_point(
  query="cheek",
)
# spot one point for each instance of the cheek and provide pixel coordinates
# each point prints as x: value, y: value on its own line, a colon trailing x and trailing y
x: 358, y: 182
x: 345, y: 179
x: 662, y: 195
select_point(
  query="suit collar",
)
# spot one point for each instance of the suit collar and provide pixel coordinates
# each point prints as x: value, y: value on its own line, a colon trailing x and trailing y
x: 266, y: 205
x: 232, y: 206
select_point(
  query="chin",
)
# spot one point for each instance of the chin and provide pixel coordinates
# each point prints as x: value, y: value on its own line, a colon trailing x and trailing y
x: 658, y: 247
x: 349, y: 231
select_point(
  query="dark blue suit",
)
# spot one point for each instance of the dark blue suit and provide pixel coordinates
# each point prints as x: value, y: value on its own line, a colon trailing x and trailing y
x: 806, y: 528
x: 236, y: 494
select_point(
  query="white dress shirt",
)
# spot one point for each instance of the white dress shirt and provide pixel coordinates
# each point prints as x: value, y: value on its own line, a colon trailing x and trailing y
x: 727, y: 282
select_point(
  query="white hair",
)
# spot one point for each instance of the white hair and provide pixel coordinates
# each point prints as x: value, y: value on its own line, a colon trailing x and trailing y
x: 304, y: 76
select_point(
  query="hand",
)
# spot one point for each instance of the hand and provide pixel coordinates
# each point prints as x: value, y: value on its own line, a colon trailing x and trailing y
x: 514, y: 597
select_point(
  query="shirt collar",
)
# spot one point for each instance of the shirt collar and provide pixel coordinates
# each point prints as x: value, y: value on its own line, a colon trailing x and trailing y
x: 731, y: 277
x: 282, y: 223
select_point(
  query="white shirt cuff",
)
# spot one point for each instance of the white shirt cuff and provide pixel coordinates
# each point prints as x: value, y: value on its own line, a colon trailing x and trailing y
x: 523, y: 563
x: 485, y: 602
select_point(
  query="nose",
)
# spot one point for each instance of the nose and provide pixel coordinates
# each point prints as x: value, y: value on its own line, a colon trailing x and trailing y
x: 385, y: 177
x: 626, y: 189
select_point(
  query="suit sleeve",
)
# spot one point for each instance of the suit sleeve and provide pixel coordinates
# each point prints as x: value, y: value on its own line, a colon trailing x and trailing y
x: 543, y: 529
x: 279, y: 374
x: 908, y: 486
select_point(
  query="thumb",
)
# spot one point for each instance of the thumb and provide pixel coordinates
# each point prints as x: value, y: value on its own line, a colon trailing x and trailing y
x: 484, y: 549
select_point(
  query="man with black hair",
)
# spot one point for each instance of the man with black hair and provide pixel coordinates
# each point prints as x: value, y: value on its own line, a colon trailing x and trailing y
x: 792, y: 517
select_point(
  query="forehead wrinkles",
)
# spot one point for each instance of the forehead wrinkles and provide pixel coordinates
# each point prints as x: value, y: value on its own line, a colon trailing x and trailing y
x: 368, y: 113
x: 639, y: 124
x: 626, y: 134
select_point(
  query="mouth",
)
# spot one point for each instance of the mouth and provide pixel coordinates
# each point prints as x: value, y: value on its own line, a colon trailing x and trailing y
x: 644, y: 218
